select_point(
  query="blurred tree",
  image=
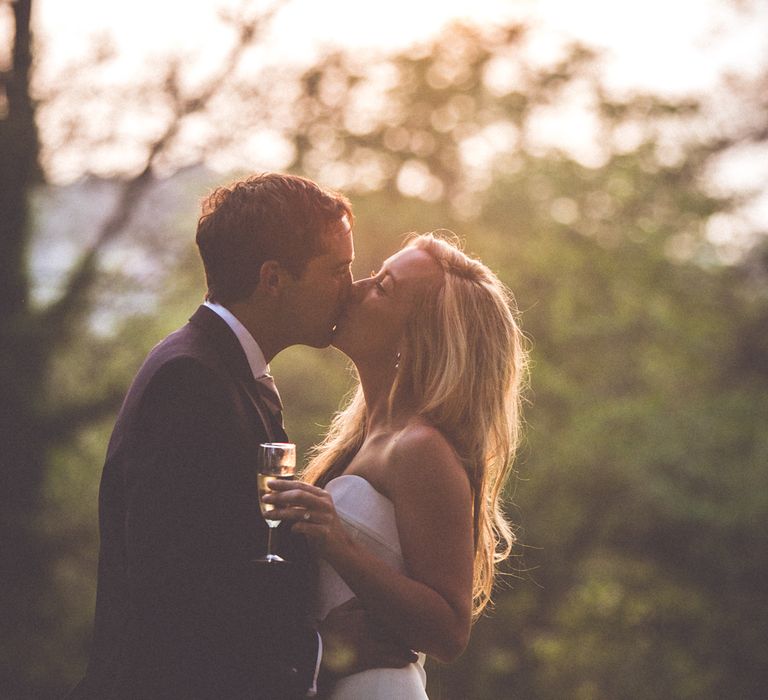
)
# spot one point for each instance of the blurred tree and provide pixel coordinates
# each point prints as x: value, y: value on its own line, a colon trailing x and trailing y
x: 36, y: 420
x: 644, y: 454
x: 642, y: 501
x: 22, y: 462
x: 643, y: 505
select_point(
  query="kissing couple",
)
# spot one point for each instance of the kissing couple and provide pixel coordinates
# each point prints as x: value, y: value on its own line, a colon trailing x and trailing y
x: 394, y: 531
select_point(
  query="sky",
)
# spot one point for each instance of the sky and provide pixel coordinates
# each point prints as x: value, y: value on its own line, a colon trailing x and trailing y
x: 670, y: 47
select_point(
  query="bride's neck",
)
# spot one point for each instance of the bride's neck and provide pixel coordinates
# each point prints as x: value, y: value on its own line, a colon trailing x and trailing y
x: 377, y: 384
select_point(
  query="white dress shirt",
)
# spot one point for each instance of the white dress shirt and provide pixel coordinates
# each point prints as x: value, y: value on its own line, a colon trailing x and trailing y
x: 259, y: 368
x: 251, y: 348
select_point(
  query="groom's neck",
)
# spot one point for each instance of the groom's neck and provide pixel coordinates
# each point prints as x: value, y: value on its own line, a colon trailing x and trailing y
x: 259, y: 321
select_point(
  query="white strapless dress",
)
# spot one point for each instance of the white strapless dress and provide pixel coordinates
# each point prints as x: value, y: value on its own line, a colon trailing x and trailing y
x: 369, y: 517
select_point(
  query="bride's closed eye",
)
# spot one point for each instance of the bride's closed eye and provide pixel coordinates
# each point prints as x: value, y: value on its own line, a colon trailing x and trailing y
x: 378, y: 284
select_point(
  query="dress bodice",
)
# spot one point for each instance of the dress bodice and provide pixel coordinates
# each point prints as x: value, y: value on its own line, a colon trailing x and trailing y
x: 369, y: 518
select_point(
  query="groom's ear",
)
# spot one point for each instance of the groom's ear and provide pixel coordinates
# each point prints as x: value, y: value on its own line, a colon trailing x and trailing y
x: 270, y: 277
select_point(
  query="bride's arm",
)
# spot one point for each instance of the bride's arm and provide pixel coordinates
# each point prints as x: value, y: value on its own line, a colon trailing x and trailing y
x: 430, y: 608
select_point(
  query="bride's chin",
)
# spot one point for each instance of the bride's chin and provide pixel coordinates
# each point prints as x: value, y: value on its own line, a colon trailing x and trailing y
x: 338, y: 339
x: 344, y: 343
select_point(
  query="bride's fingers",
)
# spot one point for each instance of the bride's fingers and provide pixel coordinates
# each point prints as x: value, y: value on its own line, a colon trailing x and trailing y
x: 315, y: 530
x: 282, y: 485
x: 296, y: 514
x: 300, y: 498
x: 312, y: 532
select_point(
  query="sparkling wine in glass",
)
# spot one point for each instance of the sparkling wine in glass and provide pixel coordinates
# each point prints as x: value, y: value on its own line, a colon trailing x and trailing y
x: 274, y: 460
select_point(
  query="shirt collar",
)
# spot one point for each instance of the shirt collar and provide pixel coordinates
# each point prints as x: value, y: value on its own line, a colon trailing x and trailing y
x: 251, y: 348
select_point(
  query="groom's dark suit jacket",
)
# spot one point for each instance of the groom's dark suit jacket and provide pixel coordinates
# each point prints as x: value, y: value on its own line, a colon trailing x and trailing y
x: 181, y: 609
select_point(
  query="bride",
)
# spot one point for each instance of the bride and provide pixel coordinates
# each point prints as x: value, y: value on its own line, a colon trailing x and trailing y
x: 402, y: 502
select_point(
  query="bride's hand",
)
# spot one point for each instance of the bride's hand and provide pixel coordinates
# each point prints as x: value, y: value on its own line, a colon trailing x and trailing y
x: 312, y: 511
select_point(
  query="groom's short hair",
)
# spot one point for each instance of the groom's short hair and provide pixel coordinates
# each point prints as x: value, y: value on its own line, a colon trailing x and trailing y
x: 270, y: 216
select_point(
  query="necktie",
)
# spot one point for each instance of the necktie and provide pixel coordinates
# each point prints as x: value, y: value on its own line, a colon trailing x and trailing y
x: 271, y: 397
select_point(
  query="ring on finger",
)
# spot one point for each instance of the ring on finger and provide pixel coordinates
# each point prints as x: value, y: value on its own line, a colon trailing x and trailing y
x: 307, y: 515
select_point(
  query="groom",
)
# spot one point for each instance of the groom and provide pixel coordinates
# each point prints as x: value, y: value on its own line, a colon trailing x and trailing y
x: 182, y: 611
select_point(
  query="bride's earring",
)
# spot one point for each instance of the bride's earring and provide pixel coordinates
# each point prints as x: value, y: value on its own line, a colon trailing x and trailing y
x: 397, y: 361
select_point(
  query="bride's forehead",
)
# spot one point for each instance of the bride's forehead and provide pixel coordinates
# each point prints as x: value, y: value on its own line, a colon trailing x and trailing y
x: 411, y: 263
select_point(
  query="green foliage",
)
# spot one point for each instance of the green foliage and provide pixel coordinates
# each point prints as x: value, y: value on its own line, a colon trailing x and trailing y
x: 642, y: 496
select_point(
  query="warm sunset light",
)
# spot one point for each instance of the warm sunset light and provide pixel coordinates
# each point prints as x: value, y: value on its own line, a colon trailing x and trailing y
x: 672, y: 46
x: 676, y: 49
x: 390, y: 350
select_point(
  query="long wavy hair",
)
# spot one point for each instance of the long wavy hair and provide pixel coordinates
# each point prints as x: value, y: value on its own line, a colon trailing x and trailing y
x: 463, y: 366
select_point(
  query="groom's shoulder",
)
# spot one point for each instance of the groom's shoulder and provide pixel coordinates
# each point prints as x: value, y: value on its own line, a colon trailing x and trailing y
x: 182, y: 356
x: 188, y: 344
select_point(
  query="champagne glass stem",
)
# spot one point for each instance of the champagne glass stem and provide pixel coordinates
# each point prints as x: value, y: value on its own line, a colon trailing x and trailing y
x: 269, y: 543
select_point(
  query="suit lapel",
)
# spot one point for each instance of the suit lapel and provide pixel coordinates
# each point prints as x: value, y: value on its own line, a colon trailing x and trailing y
x: 228, y: 347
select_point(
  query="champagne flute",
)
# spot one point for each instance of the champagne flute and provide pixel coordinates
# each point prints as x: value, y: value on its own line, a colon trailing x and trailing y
x: 274, y: 460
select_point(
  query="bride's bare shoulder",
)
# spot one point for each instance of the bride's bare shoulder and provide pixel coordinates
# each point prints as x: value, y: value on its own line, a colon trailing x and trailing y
x: 420, y: 452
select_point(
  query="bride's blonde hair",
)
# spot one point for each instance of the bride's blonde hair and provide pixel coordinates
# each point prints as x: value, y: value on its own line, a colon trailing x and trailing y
x: 462, y: 365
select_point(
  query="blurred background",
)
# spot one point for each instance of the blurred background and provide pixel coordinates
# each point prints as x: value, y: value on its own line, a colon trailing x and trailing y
x: 608, y: 160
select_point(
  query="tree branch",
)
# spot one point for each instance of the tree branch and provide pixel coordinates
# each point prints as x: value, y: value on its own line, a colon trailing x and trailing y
x: 56, y: 318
